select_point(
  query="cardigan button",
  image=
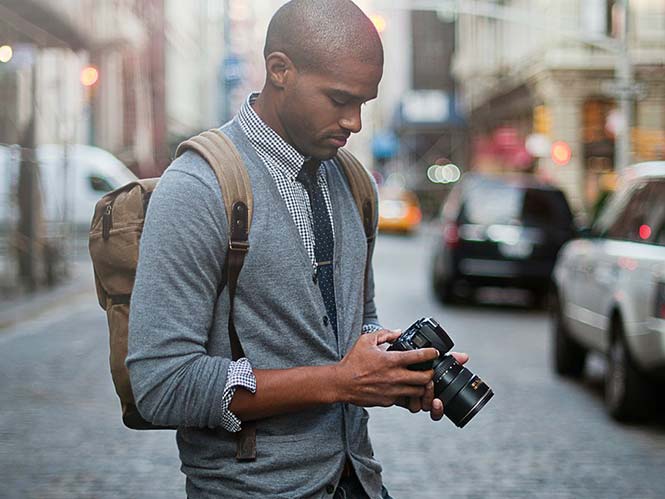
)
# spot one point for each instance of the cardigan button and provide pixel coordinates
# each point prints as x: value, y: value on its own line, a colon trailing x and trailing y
x: 325, y: 320
x: 330, y: 488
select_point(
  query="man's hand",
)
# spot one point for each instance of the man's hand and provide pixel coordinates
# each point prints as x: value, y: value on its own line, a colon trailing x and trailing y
x: 427, y: 402
x: 370, y: 376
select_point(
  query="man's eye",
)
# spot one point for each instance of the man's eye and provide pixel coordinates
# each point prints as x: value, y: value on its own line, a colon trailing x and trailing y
x: 338, y: 102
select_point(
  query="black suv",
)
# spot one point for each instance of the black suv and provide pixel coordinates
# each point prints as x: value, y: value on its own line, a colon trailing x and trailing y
x: 500, y: 231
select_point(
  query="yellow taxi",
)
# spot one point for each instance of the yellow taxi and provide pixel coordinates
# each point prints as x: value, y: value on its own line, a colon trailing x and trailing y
x: 399, y: 210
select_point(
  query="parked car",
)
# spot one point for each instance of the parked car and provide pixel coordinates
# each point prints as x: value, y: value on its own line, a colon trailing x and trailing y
x: 500, y: 231
x: 91, y: 172
x: 399, y: 210
x: 609, y: 294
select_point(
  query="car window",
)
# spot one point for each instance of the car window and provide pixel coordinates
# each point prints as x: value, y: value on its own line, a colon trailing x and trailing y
x: 632, y: 217
x: 545, y: 207
x: 494, y: 203
x: 491, y: 203
x: 100, y: 184
x: 654, y: 225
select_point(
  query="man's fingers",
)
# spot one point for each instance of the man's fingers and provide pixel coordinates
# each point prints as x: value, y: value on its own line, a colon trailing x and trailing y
x: 410, y: 391
x: 428, y: 398
x: 462, y: 358
x: 414, y: 378
x: 414, y: 405
x: 387, y: 336
x: 437, y: 410
x: 414, y: 356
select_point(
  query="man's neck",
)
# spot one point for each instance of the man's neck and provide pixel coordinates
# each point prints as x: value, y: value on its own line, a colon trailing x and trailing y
x: 265, y: 110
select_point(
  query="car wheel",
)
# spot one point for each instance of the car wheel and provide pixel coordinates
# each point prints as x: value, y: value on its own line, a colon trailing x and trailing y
x: 445, y: 292
x: 569, y: 356
x: 540, y: 299
x: 442, y: 289
x: 625, y: 387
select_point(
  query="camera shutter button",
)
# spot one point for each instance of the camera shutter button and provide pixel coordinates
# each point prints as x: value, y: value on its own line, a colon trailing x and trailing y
x: 325, y: 320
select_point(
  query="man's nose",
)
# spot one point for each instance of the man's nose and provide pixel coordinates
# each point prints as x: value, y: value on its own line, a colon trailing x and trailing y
x: 352, y: 121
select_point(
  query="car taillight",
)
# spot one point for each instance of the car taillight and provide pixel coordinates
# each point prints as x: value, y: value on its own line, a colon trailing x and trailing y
x: 659, y: 310
x: 414, y: 215
x: 451, y: 235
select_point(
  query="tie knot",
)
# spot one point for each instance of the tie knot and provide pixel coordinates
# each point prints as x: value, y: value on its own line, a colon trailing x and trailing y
x: 308, y: 174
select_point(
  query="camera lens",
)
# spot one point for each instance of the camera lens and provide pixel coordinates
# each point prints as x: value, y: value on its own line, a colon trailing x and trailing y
x: 463, y: 393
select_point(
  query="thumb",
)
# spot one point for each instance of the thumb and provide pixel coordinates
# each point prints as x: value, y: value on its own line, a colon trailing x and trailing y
x: 387, y: 336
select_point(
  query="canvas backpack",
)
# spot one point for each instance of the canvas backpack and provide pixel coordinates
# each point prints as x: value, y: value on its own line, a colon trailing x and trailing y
x: 115, y: 235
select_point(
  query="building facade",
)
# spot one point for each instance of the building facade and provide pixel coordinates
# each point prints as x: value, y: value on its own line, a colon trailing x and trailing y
x: 538, y: 71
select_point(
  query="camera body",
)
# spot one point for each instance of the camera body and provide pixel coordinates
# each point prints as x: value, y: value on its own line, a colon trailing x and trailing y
x: 424, y: 333
x: 463, y: 393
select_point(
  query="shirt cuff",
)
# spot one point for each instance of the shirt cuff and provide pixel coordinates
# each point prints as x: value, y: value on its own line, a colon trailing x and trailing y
x: 371, y: 328
x: 239, y: 374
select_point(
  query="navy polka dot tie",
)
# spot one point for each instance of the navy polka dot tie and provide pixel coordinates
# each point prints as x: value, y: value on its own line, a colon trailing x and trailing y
x: 324, y: 243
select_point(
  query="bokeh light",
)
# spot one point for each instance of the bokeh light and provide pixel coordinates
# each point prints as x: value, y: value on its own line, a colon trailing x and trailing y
x: 89, y: 76
x: 379, y: 22
x: 561, y: 153
x: 6, y: 53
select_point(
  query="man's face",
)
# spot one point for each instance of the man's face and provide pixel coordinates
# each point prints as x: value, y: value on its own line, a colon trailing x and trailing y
x: 321, y: 109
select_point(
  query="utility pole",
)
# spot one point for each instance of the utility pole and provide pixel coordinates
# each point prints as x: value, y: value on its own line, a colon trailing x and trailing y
x: 29, y: 199
x: 625, y: 93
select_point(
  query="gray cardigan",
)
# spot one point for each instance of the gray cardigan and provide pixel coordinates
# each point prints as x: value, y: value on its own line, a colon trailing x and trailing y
x: 178, y: 342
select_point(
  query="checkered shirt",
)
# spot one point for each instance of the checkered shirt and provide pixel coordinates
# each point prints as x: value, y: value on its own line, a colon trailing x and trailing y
x: 283, y: 163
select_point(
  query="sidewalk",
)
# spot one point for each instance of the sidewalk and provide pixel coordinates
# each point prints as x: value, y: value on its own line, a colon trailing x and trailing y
x: 23, y: 308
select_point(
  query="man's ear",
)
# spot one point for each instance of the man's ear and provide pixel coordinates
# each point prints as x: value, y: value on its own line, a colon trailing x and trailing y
x: 279, y: 69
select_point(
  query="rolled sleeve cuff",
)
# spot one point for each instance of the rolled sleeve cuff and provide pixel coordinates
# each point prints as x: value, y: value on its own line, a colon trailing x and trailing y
x: 371, y: 328
x: 239, y: 374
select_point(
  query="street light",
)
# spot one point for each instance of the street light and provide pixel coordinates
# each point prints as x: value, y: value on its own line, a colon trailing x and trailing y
x: 89, y: 76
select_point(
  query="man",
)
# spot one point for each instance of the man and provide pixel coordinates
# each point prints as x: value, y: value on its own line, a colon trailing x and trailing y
x: 309, y: 372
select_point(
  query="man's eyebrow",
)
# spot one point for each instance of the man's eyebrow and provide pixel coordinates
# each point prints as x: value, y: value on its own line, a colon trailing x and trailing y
x: 338, y: 92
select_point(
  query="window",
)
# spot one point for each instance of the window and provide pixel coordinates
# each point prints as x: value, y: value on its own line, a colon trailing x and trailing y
x: 630, y: 225
x: 654, y: 224
x: 544, y: 207
x: 100, y: 184
x: 496, y: 203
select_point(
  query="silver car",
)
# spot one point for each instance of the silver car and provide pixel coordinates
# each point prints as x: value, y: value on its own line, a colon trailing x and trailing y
x: 609, y: 294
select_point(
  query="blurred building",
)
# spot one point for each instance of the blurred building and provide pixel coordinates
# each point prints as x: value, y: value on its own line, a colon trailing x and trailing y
x: 194, y: 59
x: 53, y: 42
x: 528, y: 76
x: 415, y: 120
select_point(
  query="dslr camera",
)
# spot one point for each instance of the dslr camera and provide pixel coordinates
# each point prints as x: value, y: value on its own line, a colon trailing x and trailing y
x: 463, y: 393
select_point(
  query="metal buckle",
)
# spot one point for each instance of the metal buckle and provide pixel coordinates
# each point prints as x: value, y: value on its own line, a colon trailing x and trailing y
x: 239, y: 246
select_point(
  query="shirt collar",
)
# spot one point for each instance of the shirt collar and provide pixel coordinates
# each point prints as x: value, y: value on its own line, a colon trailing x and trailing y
x: 267, y: 141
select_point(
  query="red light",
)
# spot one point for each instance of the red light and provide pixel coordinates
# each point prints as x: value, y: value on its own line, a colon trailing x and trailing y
x: 451, y: 235
x: 561, y: 153
x: 645, y: 232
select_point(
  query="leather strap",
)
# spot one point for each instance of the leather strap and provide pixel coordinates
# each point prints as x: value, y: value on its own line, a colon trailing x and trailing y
x: 223, y: 157
x: 364, y: 195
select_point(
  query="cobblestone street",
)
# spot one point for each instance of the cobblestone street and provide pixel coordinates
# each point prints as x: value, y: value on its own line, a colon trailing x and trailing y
x: 540, y: 437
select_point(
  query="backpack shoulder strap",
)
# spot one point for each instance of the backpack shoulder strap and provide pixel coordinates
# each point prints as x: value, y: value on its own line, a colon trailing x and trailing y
x: 362, y: 189
x: 223, y: 157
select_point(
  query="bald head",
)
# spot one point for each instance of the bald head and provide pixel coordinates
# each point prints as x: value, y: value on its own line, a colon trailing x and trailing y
x: 317, y: 34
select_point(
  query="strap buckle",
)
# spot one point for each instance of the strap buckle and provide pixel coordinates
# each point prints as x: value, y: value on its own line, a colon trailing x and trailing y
x: 239, y: 246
